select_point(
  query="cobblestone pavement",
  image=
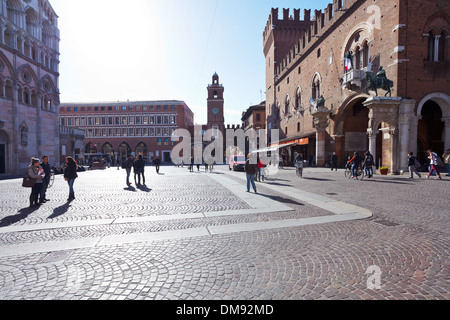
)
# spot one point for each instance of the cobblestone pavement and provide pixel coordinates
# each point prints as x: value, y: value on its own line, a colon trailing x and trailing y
x: 200, y: 235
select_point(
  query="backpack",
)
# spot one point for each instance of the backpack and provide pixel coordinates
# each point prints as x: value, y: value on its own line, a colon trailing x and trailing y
x: 439, y: 161
x: 417, y: 163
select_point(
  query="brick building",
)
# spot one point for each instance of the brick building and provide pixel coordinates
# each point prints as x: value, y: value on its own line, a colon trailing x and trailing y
x: 119, y: 129
x: 306, y: 60
x: 29, y: 94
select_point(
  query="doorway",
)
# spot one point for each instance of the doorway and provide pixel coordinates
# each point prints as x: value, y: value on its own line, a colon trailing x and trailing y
x: 2, y: 158
x: 430, y: 130
x: 166, y: 156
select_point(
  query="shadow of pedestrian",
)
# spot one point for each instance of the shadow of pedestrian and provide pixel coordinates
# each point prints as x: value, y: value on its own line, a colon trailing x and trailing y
x: 144, y: 188
x: 281, y: 199
x: 22, y: 214
x: 317, y: 179
x: 59, y: 211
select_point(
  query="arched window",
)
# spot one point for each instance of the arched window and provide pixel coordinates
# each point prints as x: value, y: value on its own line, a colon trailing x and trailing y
x: 315, y: 88
x: 366, y: 54
x: 287, y: 104
x: 357, y: 63
x: 9, y: 90
x: 298, y: 99
x: 13, y: 9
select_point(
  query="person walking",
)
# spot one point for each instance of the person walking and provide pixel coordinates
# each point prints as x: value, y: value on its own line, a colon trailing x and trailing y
x: 433, y: 163
x: 34, y: 172
x: 334, y: 159
x: 412, y: 165
x: 250, y: 170
x: 157, y: 163
x: 45, y: 165
x: 298, y: 162
x: 127, y: 165
x: 446, y: 159
x: 260, y: 165
x: 368, y: 164
x: 70, y: 174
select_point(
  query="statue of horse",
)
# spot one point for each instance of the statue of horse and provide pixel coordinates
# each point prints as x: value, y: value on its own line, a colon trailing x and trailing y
x: 374, y: 83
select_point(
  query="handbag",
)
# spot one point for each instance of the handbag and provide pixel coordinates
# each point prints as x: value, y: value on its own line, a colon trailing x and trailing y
x: 28, y: 182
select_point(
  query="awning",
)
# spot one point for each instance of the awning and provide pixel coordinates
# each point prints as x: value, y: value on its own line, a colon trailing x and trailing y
x: 274, y: 147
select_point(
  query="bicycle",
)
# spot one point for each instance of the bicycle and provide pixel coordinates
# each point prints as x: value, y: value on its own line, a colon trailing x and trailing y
x: 359, y: 172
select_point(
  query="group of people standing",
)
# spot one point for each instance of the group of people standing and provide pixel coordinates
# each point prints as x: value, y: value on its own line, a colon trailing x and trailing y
x: 138, y: 166
x: 41, y: 173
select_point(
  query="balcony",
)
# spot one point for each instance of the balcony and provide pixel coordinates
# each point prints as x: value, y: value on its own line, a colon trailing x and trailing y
x: 71, y: 131
x: 354, y: 78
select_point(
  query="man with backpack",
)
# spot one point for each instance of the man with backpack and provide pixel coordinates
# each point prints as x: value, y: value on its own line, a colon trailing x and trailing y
x: 368, y: 164
x: 413, y: 165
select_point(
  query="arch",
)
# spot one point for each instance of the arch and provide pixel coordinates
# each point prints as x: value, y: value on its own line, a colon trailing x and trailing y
x: 441, y: 98
x: 347, y: 102
x: 287, y: 104
x: 107, y: 148
x: 8, y: 36
x: 90, y: 147
x: 315, y: 85
x: 437, y: 23
x: 142, y: 149
x: 13, y: 10
x: 298, y: 99
x: 124, y: 150
x: 6, y: 67
x: 23, y: 72
x: 365, y: 32
x: 32, y: 21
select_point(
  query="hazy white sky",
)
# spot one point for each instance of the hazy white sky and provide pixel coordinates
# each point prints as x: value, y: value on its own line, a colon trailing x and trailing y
x: 133, y: 50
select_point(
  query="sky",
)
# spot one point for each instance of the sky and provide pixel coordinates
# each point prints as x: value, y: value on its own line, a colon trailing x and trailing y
x: 144, y: 50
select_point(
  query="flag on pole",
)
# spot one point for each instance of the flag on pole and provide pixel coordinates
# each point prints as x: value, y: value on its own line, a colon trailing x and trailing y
x: 348, y: 61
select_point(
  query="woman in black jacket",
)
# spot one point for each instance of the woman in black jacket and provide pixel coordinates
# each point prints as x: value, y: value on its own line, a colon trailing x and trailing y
x: 70, y: 174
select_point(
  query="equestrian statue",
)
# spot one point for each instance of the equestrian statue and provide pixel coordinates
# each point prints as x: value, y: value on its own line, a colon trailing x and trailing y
x: 378, y: 81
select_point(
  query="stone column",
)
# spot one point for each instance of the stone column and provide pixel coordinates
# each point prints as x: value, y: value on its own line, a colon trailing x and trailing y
x: 38, y: 125
x: 373, y: 143
x: 321, y: 116
x: 447, y: 133
x: 407, y: 125
x: 15, y: 165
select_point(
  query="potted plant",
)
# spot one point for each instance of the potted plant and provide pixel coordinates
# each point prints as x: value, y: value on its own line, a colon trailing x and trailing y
x: 384, y: 170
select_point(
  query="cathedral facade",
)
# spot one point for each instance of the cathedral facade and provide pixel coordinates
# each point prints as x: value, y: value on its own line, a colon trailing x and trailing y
x: 360, y: 75
x: 29, y: 94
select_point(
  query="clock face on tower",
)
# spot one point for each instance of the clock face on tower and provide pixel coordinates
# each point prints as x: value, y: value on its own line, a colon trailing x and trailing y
x: 215, y: 111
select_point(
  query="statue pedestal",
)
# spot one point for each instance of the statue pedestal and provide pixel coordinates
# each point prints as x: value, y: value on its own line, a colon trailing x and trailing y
x: 383, y: 119
x: 321, y: 116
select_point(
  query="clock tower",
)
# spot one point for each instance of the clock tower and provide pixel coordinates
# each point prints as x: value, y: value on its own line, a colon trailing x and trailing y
x: 216, y: 118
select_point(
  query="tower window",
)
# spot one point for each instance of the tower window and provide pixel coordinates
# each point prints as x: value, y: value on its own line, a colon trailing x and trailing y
x: 215, y: 95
